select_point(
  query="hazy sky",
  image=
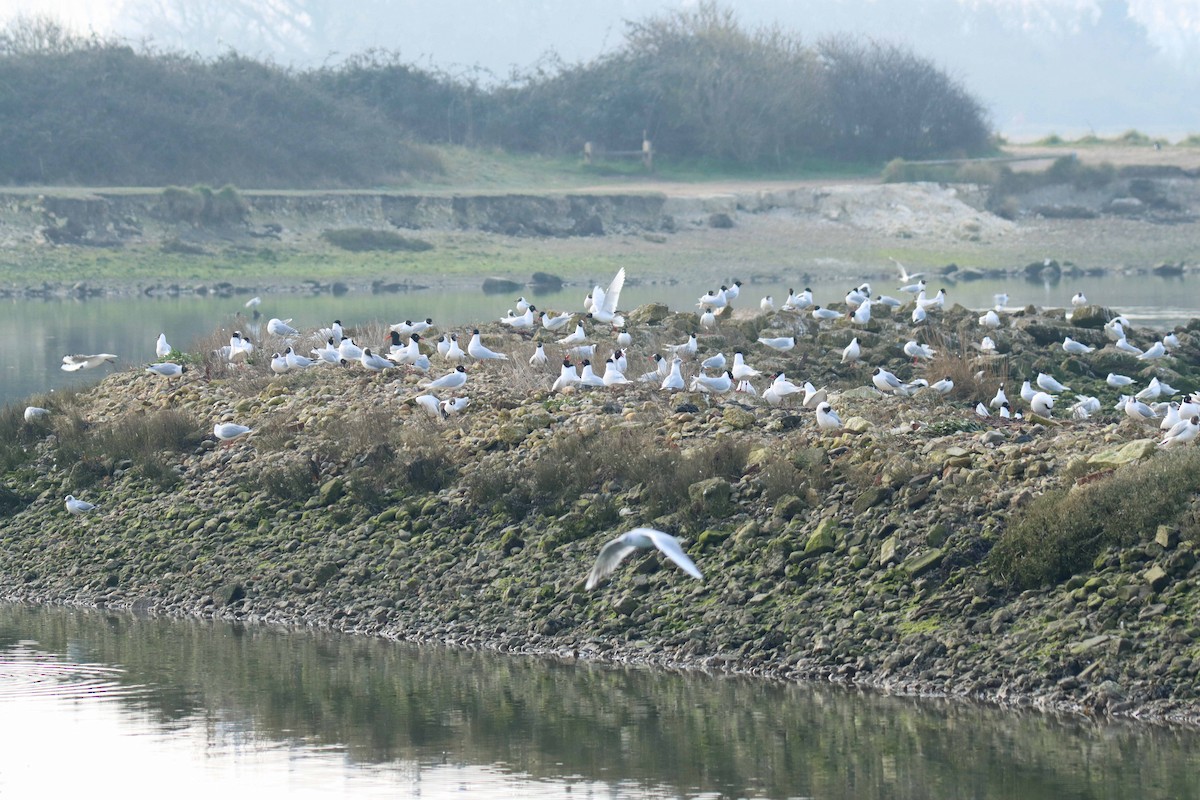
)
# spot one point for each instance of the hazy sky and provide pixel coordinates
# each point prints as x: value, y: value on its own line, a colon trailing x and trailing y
x: 1066, y: 66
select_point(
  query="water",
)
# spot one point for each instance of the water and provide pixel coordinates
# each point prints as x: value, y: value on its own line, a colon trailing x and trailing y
x: 146, y: 706
x: 42, y: 331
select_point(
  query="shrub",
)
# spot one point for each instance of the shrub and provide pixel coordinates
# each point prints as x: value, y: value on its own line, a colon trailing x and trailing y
x: 90, y: 452
x: 358, y: 240
x: 1061, y: 532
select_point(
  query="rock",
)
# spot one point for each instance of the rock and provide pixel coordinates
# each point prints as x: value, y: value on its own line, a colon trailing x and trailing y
x: 1079, y: 648
x: 887, y: 551
x: 919, y: 565
x: 711, y: 496
x: 500, y: 286
x: 1166, y: 537
x: 649, y: 314
x: 545, y: 282
x: 331, y: 491
x: 788, y: 507
x: 1157, y: 578
x: 747, y: 532
x: 857, y: 425
x: 1119, y: 455
x: 738, y: 418
x: 870, y: 498
x: 711, y: 538
x: 823, y: 539
x: 228, y: 594
x: 720, y: 220
x: 1091, y: 316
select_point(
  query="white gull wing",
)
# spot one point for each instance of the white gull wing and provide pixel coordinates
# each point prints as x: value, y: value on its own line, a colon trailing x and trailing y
x: 606, y: 301
x: 671, y: 548
x: 613, y: 553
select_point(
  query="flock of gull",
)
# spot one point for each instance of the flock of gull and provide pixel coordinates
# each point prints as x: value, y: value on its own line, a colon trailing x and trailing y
x: 679, y: 367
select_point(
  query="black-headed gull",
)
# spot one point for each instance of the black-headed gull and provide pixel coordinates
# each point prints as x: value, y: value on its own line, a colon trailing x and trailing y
x: 1050, y: 384
x: 1042, y: 404
x: 79, y: 361
x: 714, y: 362
x: 1075, y: 348
x: 161, y: 347
x: 280, y: 327
x: 885, y: 381
x: 1183, y: 432
x: 780, y: 343
x: 819, y: 314
x: 349, y: 350
x: 990, y: 320
x: 455, y: 404
x: 556, y: 323
x: 852, y: 352
x: 767, y: 304
x: 1078, y: 300
x: 539, y: 355
x: 374, y: 362
x: 228, y: 431
x: 915, y: 350
x: 452, y: 380
x: 1124, y: 346
x: 613, y: 553
x: 579, y: 336
x: 827, y: 418
x: 944, y: 386
x: 567, y: 376
x: 79, y: 506
x: 476, y: 349
x: 279, y: 364
x: 604, y: 301
x: 297, y: 361
x: 167, y: 369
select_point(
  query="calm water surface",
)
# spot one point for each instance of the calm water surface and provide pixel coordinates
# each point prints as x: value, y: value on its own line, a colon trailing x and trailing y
x: 157, y: 708
x: 42, y: 331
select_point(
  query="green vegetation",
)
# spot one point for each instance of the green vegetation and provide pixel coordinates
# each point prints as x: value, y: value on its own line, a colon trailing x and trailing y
x: 201, y: 205
x: 702, y: 88
x: 141, y: 442
x: 1130, y: 138
x: 358, y: 240
x: 1061, y: 532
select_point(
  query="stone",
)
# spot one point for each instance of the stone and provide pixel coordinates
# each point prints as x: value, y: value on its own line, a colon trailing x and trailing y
x: 649, y: 314
x: 1091, y: 316
x: 738, y: 418
x: 711, y: 496
x: 331, y: 491
x: 857, y: 425
x: 788, y: 506
x: 1079, y: 648
x: 871, y: 498
x: 1166, y: 537
x: 1119, y: 455
x: 1157, y: 578
x: 823, y: 539
x: 919, y: 565
x: 228, y: 594
x: 887, y: 552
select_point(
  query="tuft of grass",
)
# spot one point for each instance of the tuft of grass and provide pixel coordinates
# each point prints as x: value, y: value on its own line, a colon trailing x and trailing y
x: 358, y: 240
x: 1061, y: 532
x: 140, y: 442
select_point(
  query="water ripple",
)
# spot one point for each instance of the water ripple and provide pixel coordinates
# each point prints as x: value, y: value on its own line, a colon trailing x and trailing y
x: 28, y: 673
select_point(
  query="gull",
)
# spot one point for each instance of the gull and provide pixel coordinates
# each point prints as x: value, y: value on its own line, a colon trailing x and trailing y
x: 348, y: 350
x: 887, y: 300
x: 1184, y: 432
x: 780, y: 388
x: 714, y: 362
x: 798, y: 302
x: 914, y: 288
x: 228, y: 431
x: 741, y: 370
x: 1027, y: 391
x: 618, y: 358
x: 553, y: 323
x: 734, y: 289
x: 161, y: 347
x: 613, y: 553
x: 916, y: 350
x: 78, y: 506
x: 239, y: 346
x: 1156, y: 350
x: 524, y: 322
x: 454, y: 353
x: 981, y: 410
x: 329, y: 354
x: 33, y: 412
x: 944, y: 386
x: 404, y: 328
x: 938, y: 300
x: 335, y: 330
x: 1001, y: 300
x: 1113, y: 329
x: 714, y: 299
x: 578, y: 337
x: 1078, y: 300
x: 167, y: 369
x: 405, y: 354
x: 1167, y: 389
x: 1005, y: 411
x: 455, y: 405
x: 373, y: 362
x: 1000, y: 398
x: 1050, y: 384
x: 708, y: 320
x: 990, y: 320
x: 1117, y: 381
x: 1151, y: 392
x: 852, y: 352
x: 1123, y: 345
x: 430, y: 405
x: 583, y: 351
x: 674, y: 380
x: 613, y: 374
x: 1171, y: 341
x: 1171, y: 418
x: 905, y: 275
x: 767, y: 304
x: 862, y: 314
x: 1075, y: 348
x: 745, y: 387
x: 539, y: 355
x: 918, y: 315
x: 253, y: 302
x: 604, y: 302
x: 780, y: 343
x: 296, y: 361
x: 78, y: 361
x: 475, y: 349
x: 624, y: 339
x: 688, y: 348
x: 588, y: 377
x: 885, y: 381
x: 280, y: 327
x: 1084, y: 407
x: 1138, y: 411
x: 719, y: 384
x: 451, y: 380
x: 819, y: 313
x: 443, y: 345
x: 567, y: 376
x: 813, y: 396
x: 522, y: 305
x: 1042, y: 403
x: 827, y: 418
x: 855, y: 298
x: 279, y: 364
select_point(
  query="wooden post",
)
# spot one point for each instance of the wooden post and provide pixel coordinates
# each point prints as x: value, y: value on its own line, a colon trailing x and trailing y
x: 587, y: 152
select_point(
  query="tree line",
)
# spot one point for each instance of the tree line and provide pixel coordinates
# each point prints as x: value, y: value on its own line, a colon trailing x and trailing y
x: 91, y: 110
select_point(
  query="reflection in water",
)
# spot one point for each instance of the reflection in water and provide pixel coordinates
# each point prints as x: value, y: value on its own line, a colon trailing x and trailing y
x: 129, y: 326
x: 362, y: 715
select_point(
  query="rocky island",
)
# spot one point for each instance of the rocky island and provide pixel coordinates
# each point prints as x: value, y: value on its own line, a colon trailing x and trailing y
x: 920, y: 548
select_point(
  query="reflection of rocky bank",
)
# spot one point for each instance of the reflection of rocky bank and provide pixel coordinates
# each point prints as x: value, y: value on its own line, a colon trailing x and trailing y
x: 921, y: 549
